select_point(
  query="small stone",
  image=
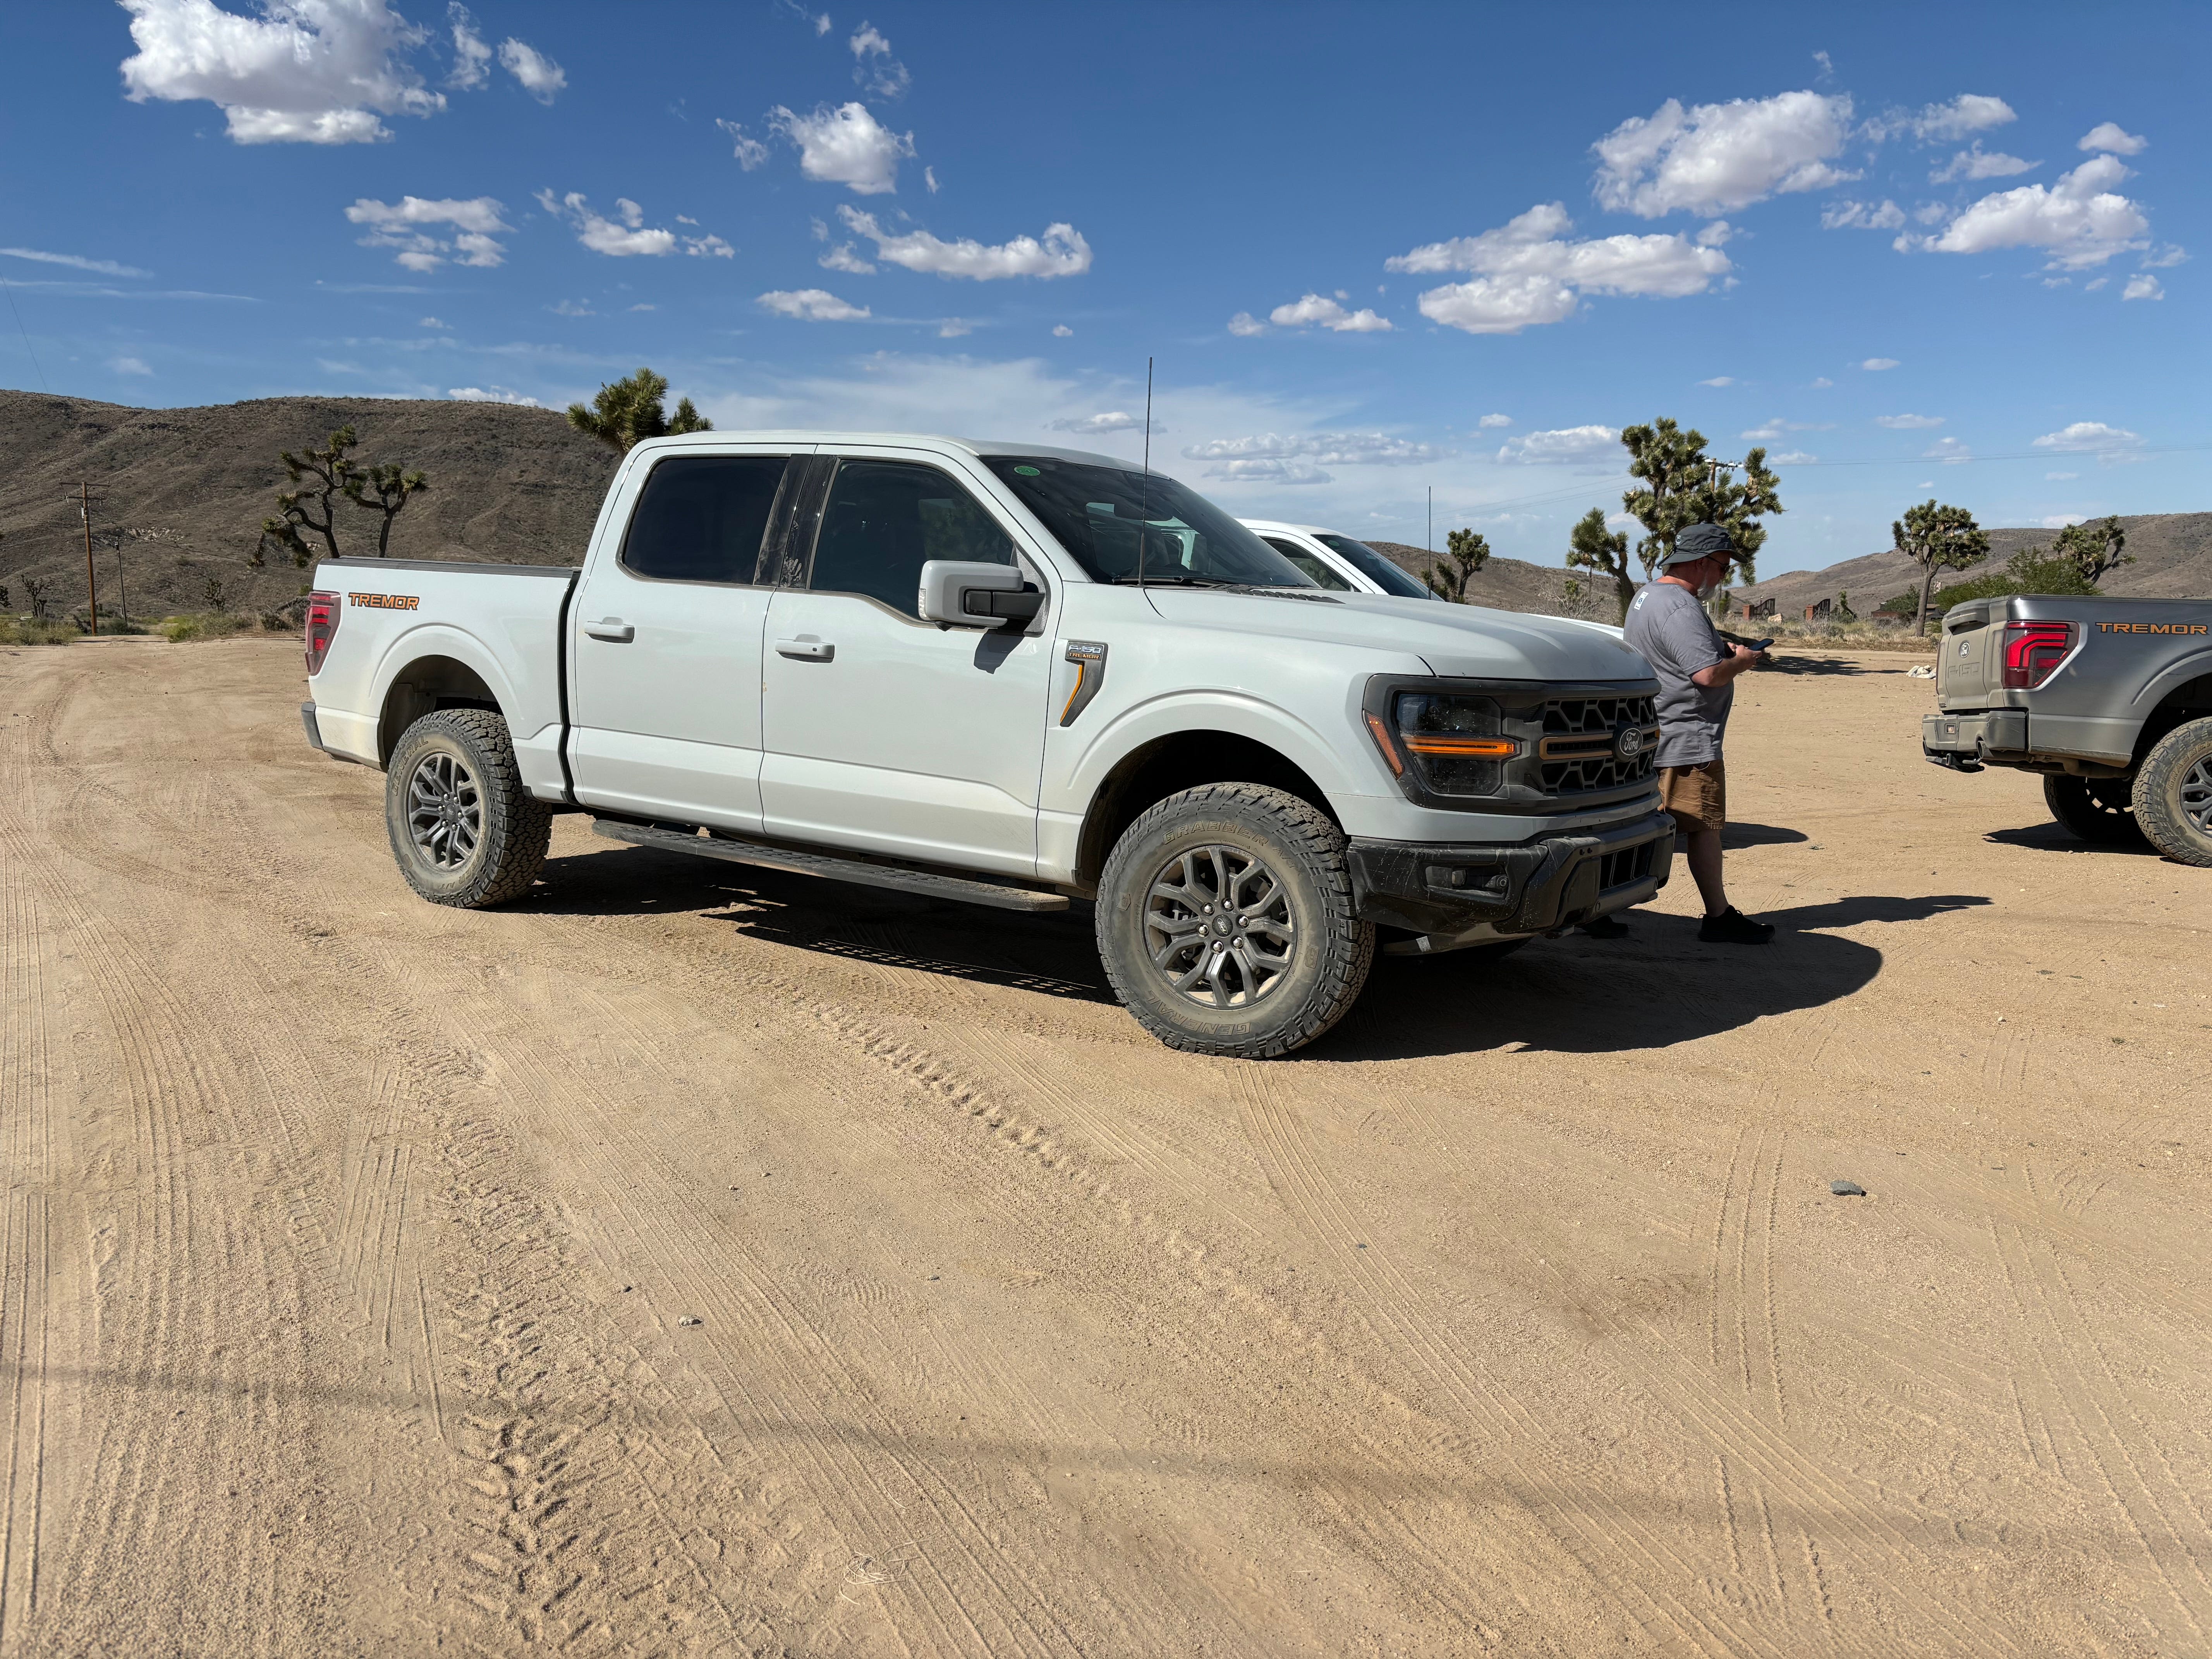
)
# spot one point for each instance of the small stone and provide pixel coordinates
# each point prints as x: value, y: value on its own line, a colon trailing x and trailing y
x: 690, y: 1319
x: 1847, y: 1189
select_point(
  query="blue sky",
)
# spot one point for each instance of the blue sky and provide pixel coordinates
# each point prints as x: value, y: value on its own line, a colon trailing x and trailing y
x: 1376, y: 251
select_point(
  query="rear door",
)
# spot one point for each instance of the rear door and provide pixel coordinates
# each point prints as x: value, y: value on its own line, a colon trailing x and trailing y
x: 884, y: 733
x: 666, y: 637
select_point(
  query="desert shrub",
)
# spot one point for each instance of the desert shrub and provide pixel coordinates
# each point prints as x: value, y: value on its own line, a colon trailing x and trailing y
x: 28, y: 630
x: 202, y: 625
x: 2032, y: 571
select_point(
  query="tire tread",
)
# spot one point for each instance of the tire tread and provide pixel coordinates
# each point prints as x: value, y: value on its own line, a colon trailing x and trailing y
x: 518, y: 827
x: 2154, y: 790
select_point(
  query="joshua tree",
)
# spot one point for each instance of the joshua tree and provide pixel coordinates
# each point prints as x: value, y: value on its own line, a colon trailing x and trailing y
x: 1590, y: 546
x: 1683, y: 486
x: 2094, y: 550
x: 1468, y: 552
x: 393, y: 488
x: 1938, y: 538
x: 629, y: 410
x: 213, y: 589
x: 35, y: 590
x: 328, y: 471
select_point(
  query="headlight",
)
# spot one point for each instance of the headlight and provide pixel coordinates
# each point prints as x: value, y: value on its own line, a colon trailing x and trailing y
x: 1455, y: 743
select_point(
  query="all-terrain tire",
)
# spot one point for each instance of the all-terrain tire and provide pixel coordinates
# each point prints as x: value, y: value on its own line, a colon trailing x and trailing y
x: 463, y: 829
x: 2173, y: 794
x: 1267, y: 933
x: 2098, y: 810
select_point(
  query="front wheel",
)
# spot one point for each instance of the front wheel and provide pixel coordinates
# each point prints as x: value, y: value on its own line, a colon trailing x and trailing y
x: 2094, y: 809
x: 463, y: 829
x: 2173, y: 793
x: 1225, y: 922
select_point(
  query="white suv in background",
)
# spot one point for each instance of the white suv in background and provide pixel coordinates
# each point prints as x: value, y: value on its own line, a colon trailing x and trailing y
x: 1337, y: 563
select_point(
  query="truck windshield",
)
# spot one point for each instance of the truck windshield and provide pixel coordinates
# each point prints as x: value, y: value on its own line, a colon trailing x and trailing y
x: 1098, y: 513
x: 1373, y: 565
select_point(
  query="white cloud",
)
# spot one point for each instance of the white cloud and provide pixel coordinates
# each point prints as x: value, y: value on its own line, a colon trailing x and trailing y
x: 75, y: 262
x: 1314, y: 308
x: 844, y: 146
x: 1112, y: 420
x: 428, y: 322
x: 1489, y: 422
x: 1567, y: 446
x: 642, y: 306
x: 1975, y: 163
x: 2143, y: 287
x: 1863, y: 216
x: 1966, y: 114
x: 306, y: 71
x: 1792, y: 458
x: 929, y: 179
x: 471, y: 52
x: 619, y: 240
x: 2111, y: 135
x: 811, y: 304
x: 2059, y: 477
x: 1266, y: 454
x: 1949, y: 451
x: 1778, y: 427
x: 1821, y: 383
x: 873, y: 66
x: 953, y: 327
x: 1875, y: 365
x: 1062, y: 331
x: 541, y: 78
x: 2079, y: 219
x: 1530, y: 275
x: 497, y: 394
x: 129, y: 365
x: 710, y: 246
x: 398, y: 225
x: 1719, y: 379
x: 2060, y: 521
x: 842, y: 257
x: 1245, y: 325
x: 749, y: 151
x: 2089, y: 437
x: 1062, y: 251
x: 1908, y: 422
x: 1268, y: 470
x: 1713, y: 158
x: 573, y: 308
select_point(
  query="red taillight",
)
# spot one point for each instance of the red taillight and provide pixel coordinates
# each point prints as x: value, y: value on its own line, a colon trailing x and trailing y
x: 2033, y: 652
x: 322, y: 628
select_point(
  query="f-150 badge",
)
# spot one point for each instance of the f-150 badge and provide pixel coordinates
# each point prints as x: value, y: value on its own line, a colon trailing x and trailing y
x: 1089, y: 657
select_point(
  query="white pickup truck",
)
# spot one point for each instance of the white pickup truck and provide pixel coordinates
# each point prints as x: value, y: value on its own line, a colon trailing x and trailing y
x: 1013, y: 675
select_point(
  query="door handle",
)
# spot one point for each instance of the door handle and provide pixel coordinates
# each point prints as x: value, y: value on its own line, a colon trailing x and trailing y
x: 807, y: 649
x: 613, y: 628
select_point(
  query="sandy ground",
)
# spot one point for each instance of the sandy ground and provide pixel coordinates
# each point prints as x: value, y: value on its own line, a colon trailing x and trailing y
x: 690, y: 1262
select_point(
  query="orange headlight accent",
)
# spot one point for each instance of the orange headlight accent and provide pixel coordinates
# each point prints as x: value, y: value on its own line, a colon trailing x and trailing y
x: 1468, y: 748
x: 1381, y: 733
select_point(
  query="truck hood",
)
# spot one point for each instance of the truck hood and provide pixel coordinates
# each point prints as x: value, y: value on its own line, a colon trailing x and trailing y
x: 1462, y: 641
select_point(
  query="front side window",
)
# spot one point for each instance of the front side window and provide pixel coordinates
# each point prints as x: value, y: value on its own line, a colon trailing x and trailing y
x: 886, y: 519
x: 1309, y: 561
x: 701, y: 518
x: 1390, y: 578
x: 1111, y: 520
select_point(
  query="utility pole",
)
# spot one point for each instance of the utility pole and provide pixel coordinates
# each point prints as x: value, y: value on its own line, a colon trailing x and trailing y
x: 91, y: 581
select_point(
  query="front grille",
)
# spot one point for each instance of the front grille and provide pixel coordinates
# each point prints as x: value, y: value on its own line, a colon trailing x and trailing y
x: 1629, y: 864
x: 1577, y: 752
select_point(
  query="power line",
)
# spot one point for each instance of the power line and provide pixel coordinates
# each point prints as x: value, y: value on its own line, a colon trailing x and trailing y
x: 11, y: 289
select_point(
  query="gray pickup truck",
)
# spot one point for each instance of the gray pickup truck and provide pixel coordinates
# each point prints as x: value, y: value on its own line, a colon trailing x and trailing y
x: 2111, y: 700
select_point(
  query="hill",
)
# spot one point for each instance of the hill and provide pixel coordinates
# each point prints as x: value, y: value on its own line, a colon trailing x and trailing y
x: 189, y: 487
x: 1513, y: 583
x: 2173, y: 560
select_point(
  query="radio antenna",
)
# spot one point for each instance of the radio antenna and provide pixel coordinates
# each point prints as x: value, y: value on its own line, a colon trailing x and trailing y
x: 1145, y: 487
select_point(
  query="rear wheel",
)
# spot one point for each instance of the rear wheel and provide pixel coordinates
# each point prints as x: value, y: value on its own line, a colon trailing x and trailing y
x: 2173, y: 793
x: 2100, y: 810
x: 463, y: 829
x: 1225, y: 923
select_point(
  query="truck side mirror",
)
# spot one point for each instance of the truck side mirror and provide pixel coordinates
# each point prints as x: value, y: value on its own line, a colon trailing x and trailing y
x: 968, y: 593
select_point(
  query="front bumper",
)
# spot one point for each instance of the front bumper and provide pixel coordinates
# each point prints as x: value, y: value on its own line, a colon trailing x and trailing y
x: 1461, y: 889
x: 1963, y: 742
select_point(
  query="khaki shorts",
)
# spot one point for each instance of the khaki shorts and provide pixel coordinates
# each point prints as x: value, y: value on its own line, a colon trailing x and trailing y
x: 1696, y: 795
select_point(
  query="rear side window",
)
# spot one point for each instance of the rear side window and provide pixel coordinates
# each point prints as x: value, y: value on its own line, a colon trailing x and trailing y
x: 884, y: 519
x: 700, y: 517
x: 1322, y: 575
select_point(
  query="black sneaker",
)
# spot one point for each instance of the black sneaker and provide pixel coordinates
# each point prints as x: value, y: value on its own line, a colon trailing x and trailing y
x: 1732, y: 926
x: 1607, y: 927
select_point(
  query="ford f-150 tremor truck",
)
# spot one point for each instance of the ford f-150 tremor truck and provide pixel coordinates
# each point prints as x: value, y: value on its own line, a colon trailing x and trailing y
x: 1014, y: 676
x: 2111, y: 700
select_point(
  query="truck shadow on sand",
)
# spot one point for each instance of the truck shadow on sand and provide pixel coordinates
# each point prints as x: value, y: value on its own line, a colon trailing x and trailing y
x: 2050, y: 838
x: 1573, y: 994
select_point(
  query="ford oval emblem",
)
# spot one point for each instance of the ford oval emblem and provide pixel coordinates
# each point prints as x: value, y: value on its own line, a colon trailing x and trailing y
x: 1628, y: 742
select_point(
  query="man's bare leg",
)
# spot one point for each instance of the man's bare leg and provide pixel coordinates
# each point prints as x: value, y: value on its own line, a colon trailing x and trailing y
x: 1704, y: 851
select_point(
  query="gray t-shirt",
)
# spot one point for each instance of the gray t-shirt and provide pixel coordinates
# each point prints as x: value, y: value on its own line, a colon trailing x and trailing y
x: 1670, y: 630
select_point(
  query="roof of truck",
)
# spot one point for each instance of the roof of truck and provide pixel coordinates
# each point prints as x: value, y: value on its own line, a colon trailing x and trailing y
x: 802, y: 435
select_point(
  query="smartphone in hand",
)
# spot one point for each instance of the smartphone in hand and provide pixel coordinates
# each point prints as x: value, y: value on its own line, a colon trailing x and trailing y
x: 1759, y: 644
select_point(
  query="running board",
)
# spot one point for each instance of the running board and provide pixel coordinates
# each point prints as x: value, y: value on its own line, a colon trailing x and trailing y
x: 833, y: 869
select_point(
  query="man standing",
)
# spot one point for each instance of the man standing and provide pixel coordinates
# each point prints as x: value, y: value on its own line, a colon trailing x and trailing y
x: 1696, y: 669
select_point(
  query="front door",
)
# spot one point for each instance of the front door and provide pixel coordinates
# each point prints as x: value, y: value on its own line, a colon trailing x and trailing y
x: 665, y: 710
x: 884, y: 733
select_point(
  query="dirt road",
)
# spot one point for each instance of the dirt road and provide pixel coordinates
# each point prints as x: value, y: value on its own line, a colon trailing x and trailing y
x: 690, y: 1260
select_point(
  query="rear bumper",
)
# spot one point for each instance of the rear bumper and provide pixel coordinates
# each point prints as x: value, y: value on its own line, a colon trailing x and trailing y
x: 1453, y: 889
x: 2008, y: 737
x: 315, y: 731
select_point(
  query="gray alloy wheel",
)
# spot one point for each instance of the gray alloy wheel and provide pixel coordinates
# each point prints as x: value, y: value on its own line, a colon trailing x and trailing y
x: 463, y: 829
x: 1226, y: 925
x: 2173, y: 793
